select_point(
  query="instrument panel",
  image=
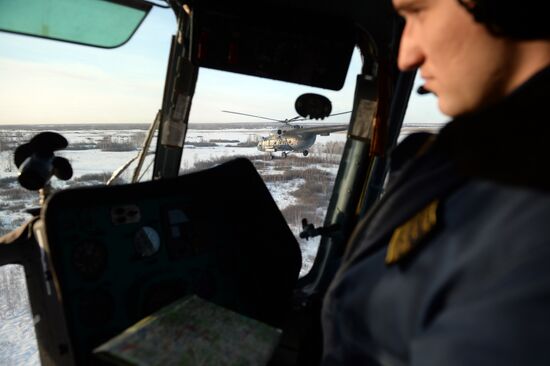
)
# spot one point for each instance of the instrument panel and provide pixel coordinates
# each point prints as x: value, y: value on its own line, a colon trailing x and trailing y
x: 120, y: 253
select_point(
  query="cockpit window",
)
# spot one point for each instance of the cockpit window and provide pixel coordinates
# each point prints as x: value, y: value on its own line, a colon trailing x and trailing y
x: 97, y: 23
x: 237, y: 115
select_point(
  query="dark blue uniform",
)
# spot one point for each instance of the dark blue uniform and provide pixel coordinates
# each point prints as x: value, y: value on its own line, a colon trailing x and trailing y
x: 452, y: 267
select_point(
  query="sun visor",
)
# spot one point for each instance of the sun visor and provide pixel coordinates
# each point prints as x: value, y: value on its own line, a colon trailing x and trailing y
x: 105, y: 24
x: 282, y: 44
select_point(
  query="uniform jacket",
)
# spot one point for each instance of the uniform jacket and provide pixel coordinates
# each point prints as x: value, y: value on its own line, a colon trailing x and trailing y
x: 472, y: 286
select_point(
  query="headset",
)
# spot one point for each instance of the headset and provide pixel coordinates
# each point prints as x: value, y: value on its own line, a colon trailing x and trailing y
x: 507, y: 18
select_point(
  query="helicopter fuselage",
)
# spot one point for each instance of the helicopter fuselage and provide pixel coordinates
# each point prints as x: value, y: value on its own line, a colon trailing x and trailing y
x: 279, y: 142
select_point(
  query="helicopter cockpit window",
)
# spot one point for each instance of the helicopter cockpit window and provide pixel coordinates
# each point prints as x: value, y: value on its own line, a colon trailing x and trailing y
x: 237, y: 115
x: 105, y: 24
x: 102, y: 101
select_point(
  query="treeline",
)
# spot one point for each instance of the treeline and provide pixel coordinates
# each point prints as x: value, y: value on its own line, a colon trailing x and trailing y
x: 9, y: 140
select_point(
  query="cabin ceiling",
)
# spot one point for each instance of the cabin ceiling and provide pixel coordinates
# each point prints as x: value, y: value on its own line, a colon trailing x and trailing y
x: 374, y: 16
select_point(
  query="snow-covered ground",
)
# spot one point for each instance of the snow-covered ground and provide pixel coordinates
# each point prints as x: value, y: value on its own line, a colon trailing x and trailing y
x: 17, y: 342
x: 17, y: 338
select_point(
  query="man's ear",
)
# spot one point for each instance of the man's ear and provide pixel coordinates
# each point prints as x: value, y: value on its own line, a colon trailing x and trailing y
x: 468, y: 4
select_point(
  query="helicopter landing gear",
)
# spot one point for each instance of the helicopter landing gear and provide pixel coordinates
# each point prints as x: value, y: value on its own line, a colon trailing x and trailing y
x: 284, y: 154
x: 305, y: 152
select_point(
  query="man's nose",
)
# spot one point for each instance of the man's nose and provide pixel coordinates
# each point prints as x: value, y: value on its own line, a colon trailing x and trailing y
x: 410, y: 53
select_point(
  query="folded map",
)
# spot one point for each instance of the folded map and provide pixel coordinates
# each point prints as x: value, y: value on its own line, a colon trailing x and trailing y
x: 191, y: 332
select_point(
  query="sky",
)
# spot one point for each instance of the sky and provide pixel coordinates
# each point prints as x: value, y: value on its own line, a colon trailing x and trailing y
x: 46, y: 82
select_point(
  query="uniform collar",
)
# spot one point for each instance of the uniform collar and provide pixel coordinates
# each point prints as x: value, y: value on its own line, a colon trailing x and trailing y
x: 507, y: 142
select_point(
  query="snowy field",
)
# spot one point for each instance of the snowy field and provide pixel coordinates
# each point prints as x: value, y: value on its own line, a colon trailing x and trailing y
x: 96, y: 152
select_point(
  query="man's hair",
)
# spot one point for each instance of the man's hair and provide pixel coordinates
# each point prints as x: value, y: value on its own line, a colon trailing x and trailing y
x: 519, y: 19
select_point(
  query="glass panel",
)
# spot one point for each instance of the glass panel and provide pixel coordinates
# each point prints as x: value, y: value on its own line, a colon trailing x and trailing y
x: 91, y: 22
x: 17, y: 337
x: 300, y: 179
x: 101, y: 100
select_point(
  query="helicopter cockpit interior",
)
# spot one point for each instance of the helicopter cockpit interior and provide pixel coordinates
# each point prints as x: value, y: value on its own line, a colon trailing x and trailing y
x: 99, y: 259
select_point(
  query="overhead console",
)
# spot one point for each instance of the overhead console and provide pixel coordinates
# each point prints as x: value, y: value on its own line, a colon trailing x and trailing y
x: 282, y: 44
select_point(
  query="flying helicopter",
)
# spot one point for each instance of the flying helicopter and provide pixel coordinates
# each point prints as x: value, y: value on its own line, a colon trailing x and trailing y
x: 297, y: 138
x: 99, y: 259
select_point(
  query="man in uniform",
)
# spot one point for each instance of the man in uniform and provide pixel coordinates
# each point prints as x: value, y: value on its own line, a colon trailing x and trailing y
x: 452, y: 266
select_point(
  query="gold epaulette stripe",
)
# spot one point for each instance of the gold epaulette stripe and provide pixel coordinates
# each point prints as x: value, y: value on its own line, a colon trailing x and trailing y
x: 407, y: 236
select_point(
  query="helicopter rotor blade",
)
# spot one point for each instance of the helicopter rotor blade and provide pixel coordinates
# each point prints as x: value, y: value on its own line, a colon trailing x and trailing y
x: 285, y: 121
x: 330, y: 115
x: 297, y: 118
x: 252, y: 115
x: 337, y: 114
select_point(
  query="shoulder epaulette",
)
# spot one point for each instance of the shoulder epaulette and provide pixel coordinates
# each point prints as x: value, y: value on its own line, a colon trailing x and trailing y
x: 409, y: 235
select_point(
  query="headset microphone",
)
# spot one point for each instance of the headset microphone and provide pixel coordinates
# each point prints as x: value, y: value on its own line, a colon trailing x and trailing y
x: 422, y: 91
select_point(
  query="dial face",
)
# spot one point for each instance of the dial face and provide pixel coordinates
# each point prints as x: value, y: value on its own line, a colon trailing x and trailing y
x: 146, y: 242
x: 90, y: 259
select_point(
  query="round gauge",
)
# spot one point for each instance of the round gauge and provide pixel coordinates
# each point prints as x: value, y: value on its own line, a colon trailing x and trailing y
x: 146, y: 241
x: 90, y: 259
